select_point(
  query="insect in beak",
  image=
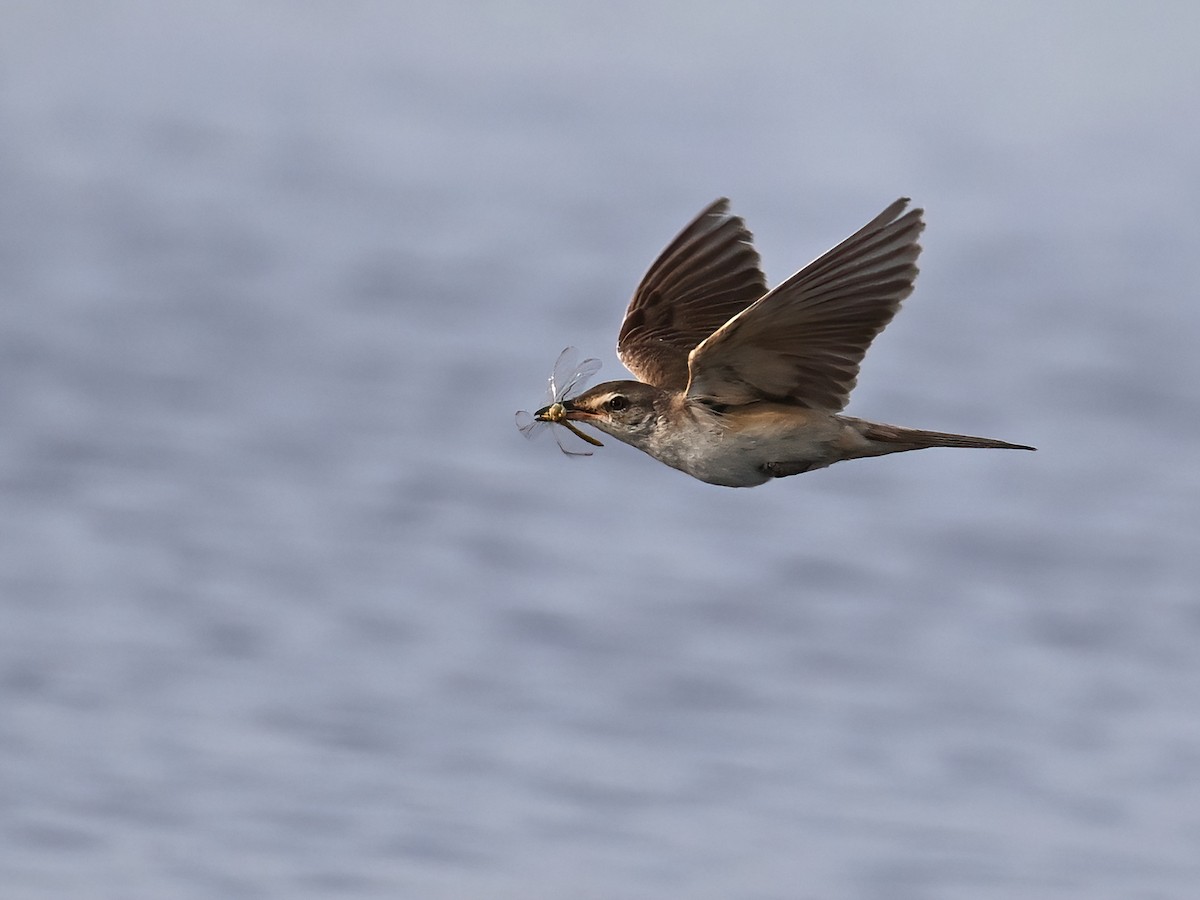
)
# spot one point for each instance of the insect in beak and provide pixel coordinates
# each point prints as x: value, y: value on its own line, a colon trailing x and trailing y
x: 557, y: 413
x: 566, y: 377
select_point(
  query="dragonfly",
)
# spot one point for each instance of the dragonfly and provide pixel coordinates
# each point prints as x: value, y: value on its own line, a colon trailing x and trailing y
x: 568, y: 375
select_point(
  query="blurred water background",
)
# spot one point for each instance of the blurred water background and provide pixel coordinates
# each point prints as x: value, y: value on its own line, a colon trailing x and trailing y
x: 290, y: 609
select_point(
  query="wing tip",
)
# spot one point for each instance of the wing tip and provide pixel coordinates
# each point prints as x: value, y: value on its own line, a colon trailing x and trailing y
x: 719, y: 207
x: 899, y: 209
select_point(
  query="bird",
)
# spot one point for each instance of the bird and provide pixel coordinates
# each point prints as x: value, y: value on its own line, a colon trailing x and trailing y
x: 738, y: 385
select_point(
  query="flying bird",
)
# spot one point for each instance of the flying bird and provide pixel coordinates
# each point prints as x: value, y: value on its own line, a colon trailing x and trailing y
x: 738, y: 384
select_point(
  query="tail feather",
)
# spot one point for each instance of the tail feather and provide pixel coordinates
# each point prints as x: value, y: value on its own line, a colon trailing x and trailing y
x: 916, y: 439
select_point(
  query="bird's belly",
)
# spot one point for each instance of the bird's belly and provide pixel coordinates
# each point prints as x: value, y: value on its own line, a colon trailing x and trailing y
x: 742, y: 457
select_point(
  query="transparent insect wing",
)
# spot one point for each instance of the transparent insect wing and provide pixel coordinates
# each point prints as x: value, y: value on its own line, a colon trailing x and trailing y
x: 558, y: 433
x: 570, y: 374
x: 531, y: 428
x: 564, y: 368
x: 527, y: 424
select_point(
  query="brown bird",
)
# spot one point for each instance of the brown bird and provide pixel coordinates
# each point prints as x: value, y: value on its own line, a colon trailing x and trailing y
x: 737, y: 384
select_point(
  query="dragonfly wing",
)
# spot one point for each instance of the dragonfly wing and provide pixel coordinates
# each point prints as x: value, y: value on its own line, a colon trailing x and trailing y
x: 527, y: 424
x: 569, y: 373
x: 558, y: 433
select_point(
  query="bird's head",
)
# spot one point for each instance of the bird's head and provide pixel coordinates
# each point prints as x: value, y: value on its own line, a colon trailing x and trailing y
x: 627, y: 410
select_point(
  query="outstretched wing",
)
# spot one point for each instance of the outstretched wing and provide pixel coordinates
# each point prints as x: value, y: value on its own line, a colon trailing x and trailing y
x: 707, y: 275
x: 803, y: 342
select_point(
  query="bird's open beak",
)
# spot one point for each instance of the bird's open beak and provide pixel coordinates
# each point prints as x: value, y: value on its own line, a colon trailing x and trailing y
x: 561, y: 413
x: 555, y: 412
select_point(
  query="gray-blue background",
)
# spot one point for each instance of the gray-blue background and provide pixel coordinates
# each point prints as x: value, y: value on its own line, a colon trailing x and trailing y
x: 289, y: 608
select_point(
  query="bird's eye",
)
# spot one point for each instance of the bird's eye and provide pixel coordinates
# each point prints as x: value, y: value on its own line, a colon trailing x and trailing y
x: 617, y: 403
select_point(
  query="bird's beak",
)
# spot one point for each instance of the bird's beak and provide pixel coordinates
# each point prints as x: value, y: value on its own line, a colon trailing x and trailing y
x: 555, y: 412
x: 561, y: 413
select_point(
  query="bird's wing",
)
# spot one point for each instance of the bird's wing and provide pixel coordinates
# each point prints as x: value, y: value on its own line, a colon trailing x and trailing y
x: 707, y: 275
x: 803, y: 342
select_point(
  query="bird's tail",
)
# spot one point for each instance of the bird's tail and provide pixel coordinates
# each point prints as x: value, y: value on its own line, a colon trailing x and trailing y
x: 894, y: 439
